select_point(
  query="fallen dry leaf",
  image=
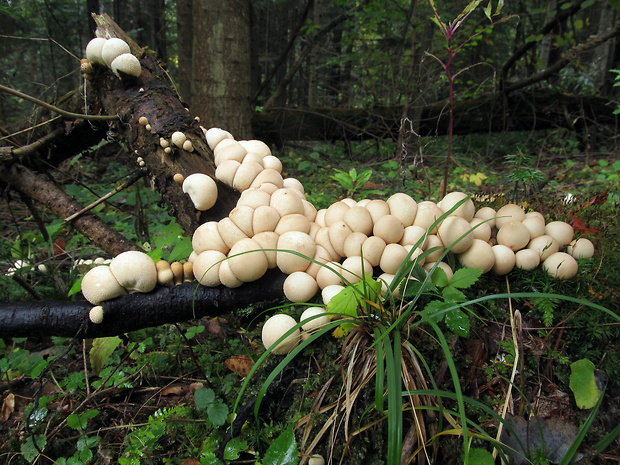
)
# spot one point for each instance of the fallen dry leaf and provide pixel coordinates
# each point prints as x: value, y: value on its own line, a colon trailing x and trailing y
x: 8, y: 407
x: 175, y: 390
x: 240, y: 364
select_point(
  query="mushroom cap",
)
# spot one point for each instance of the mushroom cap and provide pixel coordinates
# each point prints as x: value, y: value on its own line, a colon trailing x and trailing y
x: 286, y: 201
x: 256, y: 146
x: 509, y: 212
x: 353, y: 244
x: 215, y: 135
x: 227, y: 277
x: 295, y: 184
x: 513, y: 234
x: 228, y: 149
x: 299, y: 286
x: 206, y: 267
x: 427, y: 214
x: 99, y: 284
x: 414, y: 235
x: 254, y: 157
x: 561, y: 231
x: 482, y: 230
x: 272, y: 162
x: 386, y: 279
x: 335, y: 212
x: 293, y: 222
x: 466, y: 210
x: 392, y: 258
x: 372, y: 249
x: 243, y: 218
x: 561, y: 265
x: 268, y: 240
x: 295, y: 241
x: 135, y: 271
x: 581, y: 248
x: 207, y: 237
x: 389, y: 228
x: 316, y: 459
x: 225, y: 171
x: 245, y: 175
x: 178, y: 138
x: 309, y: 210
x: 266, y: 179
x: 545, y: 245
x: 354, y: 268
x: 338, y: 234
x: 322, y: 238
x: 329, y: 274
x: 359, y: 220
x: 96, y: 314
x: 505, y: 259
x: 230, y: 232
x: 535, y: 225
x: 527, y: 259
x: 443, y: 265
x: 266, y: 218
x: 486, y: 213
x: 314, y: 323
x: 433, y: 241
x: 456, y: 232
x: 201, y: 189
x: 254, y: 198
x: 377, y: 209
x: 330, y: 291
x: 126, y: 63
x: 112, y: 48
x: 249, y: 266
x: 403, y: 207
x: 274, y: 328
x: 479, y: 255
x: 93, y: 50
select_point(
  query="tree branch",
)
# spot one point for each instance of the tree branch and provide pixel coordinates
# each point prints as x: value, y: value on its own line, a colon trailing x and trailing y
x: 135, y: 311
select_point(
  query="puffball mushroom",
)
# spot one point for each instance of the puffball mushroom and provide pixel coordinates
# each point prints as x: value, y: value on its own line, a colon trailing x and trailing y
x: 377, y: 209
x: 389, y: 228
x: 215, y: 135
x: 201, y: 189
x: 561, y: 231
x: 414, y: 235
x: 99, y: 284
x: 354, y: 268
x: 581, y: 248
x: 479, y: 255
x: 486, y: 214
x: 286, y: 201
x: 527, y: 259
x: 126, y: 64
x: 505, y: 259
x: 535, y: 225
x: 392, y: 258
x: 242, y: 217
x: 316, y: 459
x: 112, y: 48
x: 509, y: 212
x: 443, y: 265
x: 299, y: 286
x: 330, y: 291
x: 427, y: 214
x: 313, y: 318
x: 96, y: 314
x: 329, y: 274
x: 207, y: 237
x: 372, y: 249
x: 251, y: 265
x: 456, y: 232
x: 335, y: 212
x: 403, y: 207
x: 338, y: 234
x: 466, y: 210
x: 164, y: 273
x: 560, y: 265
x: 206, y: 267
x: 353, y: 244
x: 93, y: 50
x: 545, y: 245
x: 178, y: 138
x: 268, y: 240
x: 135, y: 271
x: 513, y: 234
x: 359, y: 220
x: 295, y: 241
x: 276, y: 327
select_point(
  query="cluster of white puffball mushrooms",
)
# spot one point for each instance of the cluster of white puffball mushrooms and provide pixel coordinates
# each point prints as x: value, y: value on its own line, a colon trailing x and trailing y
x: 113, y: 53
x: 274, y: 226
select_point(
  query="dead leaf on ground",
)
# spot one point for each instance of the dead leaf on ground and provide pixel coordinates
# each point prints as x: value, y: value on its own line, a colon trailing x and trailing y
x: 8, y: 407
x: 240, y: 364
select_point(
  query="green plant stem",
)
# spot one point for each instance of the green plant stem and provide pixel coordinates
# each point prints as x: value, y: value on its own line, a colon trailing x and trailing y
x: 60, y: 111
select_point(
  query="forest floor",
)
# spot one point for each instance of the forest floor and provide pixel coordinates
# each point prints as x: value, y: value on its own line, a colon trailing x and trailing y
x: 172, y: 394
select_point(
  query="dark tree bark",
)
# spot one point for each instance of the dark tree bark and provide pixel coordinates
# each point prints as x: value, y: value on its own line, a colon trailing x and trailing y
x: 135, y: 311
x: 221, y: 58
x: 185, y: 40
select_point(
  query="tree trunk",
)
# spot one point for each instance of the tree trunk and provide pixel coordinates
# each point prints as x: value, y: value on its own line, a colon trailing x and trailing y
x: 221, y: 65
x: 185, y: 40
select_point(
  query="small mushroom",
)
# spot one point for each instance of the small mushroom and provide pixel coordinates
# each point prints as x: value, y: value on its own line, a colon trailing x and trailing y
x: 456, y: 232
x: 126, y: 64
x: 93, y: 50
x: 164, y: 273
x: 509, y: 212
x: 276, y: 327
x: 207, y: 237
x: 527, y: 259
x: 135, y: 271
x: 206, y: 267
x: 201, y: 189
x: 329, y: 292
x: 303, y: 247
x: 178, y: 138
x: 313, y: 318
x: 466, y: 210
x: 561, y: 231
x: 512, y: 234
x: 215, y: 135
x: 581, y: 248
x: 247, y: 261
x: 96, y: 314
x: 505, y: 259
x: 188, y: 146
x: 112, y: 48
x: 299, y: 286
x: 389, y: 228
x: 480, y: 255
x: 403, y: 207
x: 99, y: 284
x: 561, y: 265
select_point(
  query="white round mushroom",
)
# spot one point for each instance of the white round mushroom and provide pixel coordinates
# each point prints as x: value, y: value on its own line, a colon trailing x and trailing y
x: 466, y: 210
x: 112, y: 48
x: 251, y: 264
x: 299, y: 286
x: 561, y: 231
x: 480, y: 255
x: 135, y: 271
x: 201, y: 189
x: 99, y: 284
x: 96, y: 314
x: 581, y: 248
x: 313, y: 318
x: 561, y: 265
x: 93, y: 50
x: 206, y: 267
x: 276, y: 327
x: 126, y: 63
x: 294, y: 250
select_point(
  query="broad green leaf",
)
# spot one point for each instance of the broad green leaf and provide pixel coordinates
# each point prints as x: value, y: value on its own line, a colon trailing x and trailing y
x: 30, y: 449
x: 101, y: 350
x: 436, y: 310
x: 439, y: 277
x: 79, y: 421
x: 583, y: 384
x: 465, y: 277
x: 217, y: 413
x: 77, y: 287
x: 481, y: 456
x: 204, y: 397
x: 457, y: 321
x: 345, y: 302
x: 283, y: 450
x: 234, y: 447
x: 451, y: 294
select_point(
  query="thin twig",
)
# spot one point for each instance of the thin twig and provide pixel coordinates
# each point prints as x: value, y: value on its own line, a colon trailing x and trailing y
x: 116, y: 190
x: 60, y: 111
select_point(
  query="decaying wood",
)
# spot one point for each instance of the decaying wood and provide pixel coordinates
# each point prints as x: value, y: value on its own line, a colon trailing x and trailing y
x: 135, y: 311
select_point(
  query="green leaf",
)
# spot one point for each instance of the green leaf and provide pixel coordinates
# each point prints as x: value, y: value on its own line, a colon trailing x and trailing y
x: 283, y: 450
x: 30, y: 449
x: 457, y: 321
x: 204, y: 398
x: 101, y: 350
x: 436, y: 310
x: 345, y: 302
x: 451, y: 294
x: 77, y: 287
x: 217, y: 413
x: 234, y: 447
x: 465, y: 277
x: 439, y: 277
x: 79, y: 421
x: 583, y: 384
x: 481, y: 457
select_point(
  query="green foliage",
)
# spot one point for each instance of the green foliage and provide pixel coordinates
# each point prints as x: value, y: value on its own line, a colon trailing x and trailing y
x: 217, y: 411
x: 523, y: 175
x: 351, y: 181
x: 283, y: 450
x: 101, y: 350
x: 583, y: 384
